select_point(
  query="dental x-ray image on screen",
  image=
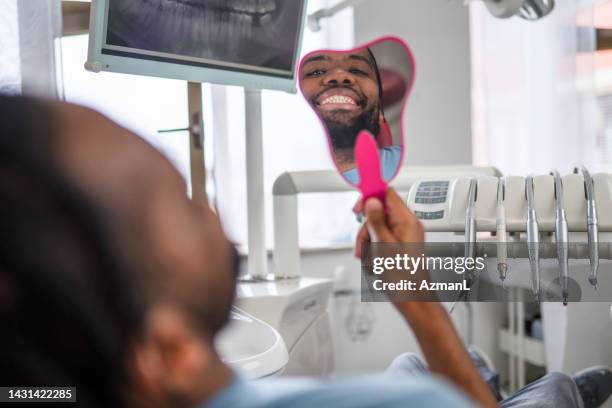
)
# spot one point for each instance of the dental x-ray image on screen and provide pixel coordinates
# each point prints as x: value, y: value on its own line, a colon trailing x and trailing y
x: 251, y: 36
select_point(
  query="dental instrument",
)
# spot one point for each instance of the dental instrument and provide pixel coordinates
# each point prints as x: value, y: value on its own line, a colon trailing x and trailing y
x: 561, y: 236
x: 533, y: 238
x: 500, y: 222
x: 469, y: 237
x: 470, y: 219
x: 592, y: 223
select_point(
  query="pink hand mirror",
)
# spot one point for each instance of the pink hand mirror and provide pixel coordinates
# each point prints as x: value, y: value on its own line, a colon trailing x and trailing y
x: 360, y: 96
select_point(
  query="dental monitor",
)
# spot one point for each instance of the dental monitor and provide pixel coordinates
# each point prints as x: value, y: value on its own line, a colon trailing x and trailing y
x: 249, y: 43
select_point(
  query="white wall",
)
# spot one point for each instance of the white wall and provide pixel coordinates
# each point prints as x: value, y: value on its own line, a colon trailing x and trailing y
x: 536, y: 92
x: 438, y: 118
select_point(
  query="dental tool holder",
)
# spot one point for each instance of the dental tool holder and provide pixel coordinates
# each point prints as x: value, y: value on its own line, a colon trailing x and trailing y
x: 547, y: 250
x: 451, y: 214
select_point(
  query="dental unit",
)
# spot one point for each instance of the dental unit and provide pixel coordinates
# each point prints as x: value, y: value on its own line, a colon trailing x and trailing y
x: 592, y: 225
x: 533, y: 238
x: 464, y: 200
x: 561, y: 236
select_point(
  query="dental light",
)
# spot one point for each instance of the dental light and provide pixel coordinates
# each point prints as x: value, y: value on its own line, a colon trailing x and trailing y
x: 527, y: 9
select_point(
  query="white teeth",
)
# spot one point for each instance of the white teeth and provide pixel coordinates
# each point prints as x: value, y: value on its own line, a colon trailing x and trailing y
x: 339, y: 99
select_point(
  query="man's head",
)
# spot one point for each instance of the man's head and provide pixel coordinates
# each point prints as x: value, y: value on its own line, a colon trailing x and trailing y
x: 345, y: 90
x: 110, y: 277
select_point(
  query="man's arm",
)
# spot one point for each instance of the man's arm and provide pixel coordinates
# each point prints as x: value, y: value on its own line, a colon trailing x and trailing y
x: 436, y: 334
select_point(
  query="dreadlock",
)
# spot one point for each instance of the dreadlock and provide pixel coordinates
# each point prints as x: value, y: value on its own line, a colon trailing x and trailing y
x: 66, y: 310
x: 378, y: 78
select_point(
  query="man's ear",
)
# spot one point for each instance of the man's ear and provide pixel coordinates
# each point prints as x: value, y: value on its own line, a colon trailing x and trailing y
x: 169, y: 358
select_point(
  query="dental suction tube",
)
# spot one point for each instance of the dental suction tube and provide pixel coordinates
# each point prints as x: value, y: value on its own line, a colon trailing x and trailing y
x: 561, y: 236
x: 592, y: 223
x: 500, y: 221
x: 533, y: 238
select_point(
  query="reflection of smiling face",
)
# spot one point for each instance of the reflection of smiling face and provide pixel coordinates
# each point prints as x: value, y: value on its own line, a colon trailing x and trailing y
x: 341, y: 87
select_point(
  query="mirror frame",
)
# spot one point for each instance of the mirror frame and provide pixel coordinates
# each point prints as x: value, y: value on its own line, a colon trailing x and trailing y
x: 409, y: 87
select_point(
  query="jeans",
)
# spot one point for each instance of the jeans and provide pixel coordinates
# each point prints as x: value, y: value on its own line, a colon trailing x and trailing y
x: 554, y: 390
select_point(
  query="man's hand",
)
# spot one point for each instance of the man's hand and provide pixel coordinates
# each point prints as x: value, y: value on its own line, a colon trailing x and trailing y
x: 398, y: 225
x: 435, y: 332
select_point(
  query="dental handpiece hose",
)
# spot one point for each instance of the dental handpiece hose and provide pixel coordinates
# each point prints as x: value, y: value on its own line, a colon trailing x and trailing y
x: 561, y: 236
x: 500, y: 221
x: 533, y: 238
x: 593, y: 238
x: 592, y: 224
x: 470, y: 220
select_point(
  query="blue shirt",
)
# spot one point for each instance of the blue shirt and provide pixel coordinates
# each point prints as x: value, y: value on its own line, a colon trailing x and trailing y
x: 390, y: 158
x: 380, y: 391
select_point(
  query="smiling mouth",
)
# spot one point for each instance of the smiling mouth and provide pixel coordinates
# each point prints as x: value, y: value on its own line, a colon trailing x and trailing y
x: 338, y: 100
x: 338, y: 103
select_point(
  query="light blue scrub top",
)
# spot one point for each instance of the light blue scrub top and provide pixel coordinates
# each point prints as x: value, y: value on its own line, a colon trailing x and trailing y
x: 390, y: 158
x: 380, y: 391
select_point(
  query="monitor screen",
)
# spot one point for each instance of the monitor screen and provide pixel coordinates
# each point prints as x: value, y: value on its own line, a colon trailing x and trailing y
x: 255, y: 37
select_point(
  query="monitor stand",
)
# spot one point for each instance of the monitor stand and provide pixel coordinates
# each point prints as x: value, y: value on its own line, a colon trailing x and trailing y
x: 257, y: 268
x: 196, y: 141
x: 258, y: 256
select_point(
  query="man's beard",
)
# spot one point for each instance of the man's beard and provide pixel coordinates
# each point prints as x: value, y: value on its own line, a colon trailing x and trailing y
x: 344, y: 135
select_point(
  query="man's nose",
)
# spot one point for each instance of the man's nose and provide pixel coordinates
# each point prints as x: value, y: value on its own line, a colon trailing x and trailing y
x: 339, y: 77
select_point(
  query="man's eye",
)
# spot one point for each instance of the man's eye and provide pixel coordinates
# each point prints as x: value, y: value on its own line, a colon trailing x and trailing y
x: 357, y: 71
x: 315, y: 73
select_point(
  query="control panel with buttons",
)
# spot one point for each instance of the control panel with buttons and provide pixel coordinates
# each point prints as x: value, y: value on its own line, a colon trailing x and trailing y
x: 429, y: 199
x: 429, y: 193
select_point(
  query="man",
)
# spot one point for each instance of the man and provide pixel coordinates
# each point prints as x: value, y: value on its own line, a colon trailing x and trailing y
x: 112, y: 280
x: 345, y: 90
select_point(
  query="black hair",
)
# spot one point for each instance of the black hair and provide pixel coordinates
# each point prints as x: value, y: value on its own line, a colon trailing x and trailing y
x: 67, y: 308
x: 378, y: 77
